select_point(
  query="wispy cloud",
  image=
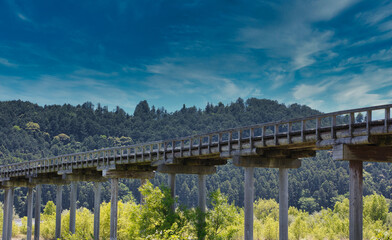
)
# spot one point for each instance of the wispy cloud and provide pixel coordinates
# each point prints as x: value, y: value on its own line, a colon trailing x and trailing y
x: 294, y: 36
x: 173, y: 74
x: 23, y: 17
x: 370, y: 87
x: 7, y: 63
x: 364, y: 89
x: 375, y: 16
x: 382, y: 56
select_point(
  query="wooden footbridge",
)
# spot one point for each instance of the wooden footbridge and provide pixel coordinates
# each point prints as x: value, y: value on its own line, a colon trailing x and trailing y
x: 269, y: 145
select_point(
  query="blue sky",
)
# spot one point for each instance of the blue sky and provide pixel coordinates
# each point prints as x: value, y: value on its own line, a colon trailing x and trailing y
x: 328, y: 54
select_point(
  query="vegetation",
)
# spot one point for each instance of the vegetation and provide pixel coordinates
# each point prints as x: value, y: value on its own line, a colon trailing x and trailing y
x: 317, y: 190
x: 155, y: 220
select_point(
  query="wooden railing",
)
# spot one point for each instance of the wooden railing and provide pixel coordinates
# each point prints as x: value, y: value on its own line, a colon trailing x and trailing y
x: 193, y: 145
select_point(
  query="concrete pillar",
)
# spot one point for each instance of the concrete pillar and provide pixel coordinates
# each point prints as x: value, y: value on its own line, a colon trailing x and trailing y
x: 29, y: 213
x: 113, y: 209
x: 142, y: 182
x: 37, y: 219
x: 59, y: 202
x: 10, y: 214
x: 72, y: 210
x: 248, y: 202
x: 202, y: 193
x: 172, y: 187
x: 202, y: 202
x: 5, y: 214
x: 97, y: 205
x: 356, y: 207
x: 283, y: 204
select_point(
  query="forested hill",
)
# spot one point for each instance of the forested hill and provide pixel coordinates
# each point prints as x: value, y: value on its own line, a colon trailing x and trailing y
x: 29, y: 131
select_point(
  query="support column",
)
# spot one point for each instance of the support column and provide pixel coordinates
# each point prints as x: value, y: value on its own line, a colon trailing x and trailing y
x: 37, y: 211
x: 172, y: 186
x: 72, y: 210
x: 356, y: 207
x: 29, y: 213
x: 142, y: 182
x: 97, y: 205
x: 202, y: 205
x: 202, y: 192
x: 248, y: 202
x: 59, y: 202
x: 113, y: 209
x: 5, y: 213
x: 10, y: 214
x: 283, y: 204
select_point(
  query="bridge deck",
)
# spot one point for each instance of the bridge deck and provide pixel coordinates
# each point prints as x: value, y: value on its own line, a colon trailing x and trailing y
x: 297, y: 135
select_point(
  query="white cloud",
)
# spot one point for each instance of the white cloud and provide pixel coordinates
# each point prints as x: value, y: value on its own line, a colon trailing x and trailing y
x: 306, y: 91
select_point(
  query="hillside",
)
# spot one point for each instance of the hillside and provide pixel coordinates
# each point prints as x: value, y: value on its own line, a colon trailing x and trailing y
x: 29, y: 131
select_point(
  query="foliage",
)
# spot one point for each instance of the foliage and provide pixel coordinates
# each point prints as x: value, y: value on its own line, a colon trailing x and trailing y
x: 224, y: 219
x: 375, y: 207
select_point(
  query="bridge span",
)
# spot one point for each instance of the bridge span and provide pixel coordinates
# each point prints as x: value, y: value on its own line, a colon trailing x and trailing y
x: 278, y: 144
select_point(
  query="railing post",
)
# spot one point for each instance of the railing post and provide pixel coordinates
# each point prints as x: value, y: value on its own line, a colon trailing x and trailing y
x: 289, y: 127
x: 351, y: 123
x: 333, y: 126
x: 368, y: 121
x: 318, y: 128
x: 387, y: 118
x: 251, y: 136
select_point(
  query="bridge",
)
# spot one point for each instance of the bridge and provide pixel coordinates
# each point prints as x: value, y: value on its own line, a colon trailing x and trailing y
x: 278, y: 144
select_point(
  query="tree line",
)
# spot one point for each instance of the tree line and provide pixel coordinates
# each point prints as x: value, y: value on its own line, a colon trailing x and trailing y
x: 29, y: 131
